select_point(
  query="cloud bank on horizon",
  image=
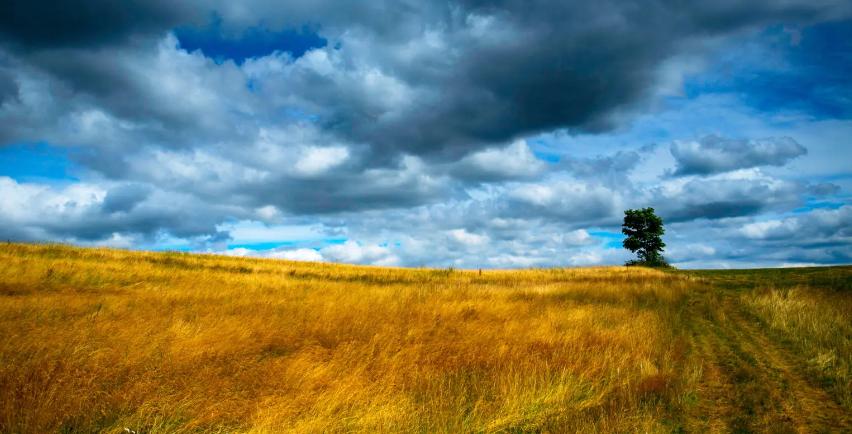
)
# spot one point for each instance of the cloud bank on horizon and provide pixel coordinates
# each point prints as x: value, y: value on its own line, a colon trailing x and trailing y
x: 468, y: 133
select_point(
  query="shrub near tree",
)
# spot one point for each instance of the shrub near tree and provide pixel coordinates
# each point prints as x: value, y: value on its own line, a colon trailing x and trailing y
x: 644, y: 229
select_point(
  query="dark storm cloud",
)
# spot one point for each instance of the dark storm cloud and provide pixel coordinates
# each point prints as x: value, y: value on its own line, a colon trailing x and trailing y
x: 575, y: 203
x: 716, y: 154
x: 721, y: 198
x: 113, y: 165
x: 834, y: 255
x: 20, y: 234
x: 8, y: 86
x: 345, y: 194
x: 817, y: 236
x: 621, y: 162
x: 507, y: 68
x: 83, y: 212
x: 33, y: 25
x: 195, y: 220
x: 716, y: 210
x: 142, y: 85
x: 124, y: 198
x: 513, y: 163
x: 612, y: 170
x: 823, y: 189
x: 815, y: 227
x: 546, y: 65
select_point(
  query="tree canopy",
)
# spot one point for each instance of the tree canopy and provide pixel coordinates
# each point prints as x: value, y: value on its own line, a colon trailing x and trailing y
x: 643, y: 229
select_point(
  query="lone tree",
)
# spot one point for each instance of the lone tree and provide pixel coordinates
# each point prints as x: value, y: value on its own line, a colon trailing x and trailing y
x: 643, y: 229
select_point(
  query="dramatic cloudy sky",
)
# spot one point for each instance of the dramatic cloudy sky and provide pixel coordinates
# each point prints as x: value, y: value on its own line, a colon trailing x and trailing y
x: 467, y: 133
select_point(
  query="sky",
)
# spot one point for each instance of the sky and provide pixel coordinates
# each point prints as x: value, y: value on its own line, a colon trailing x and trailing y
x: 467, y: 134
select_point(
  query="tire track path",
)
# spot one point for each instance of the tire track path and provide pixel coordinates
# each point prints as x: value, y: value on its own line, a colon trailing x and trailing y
x: 749, y: 383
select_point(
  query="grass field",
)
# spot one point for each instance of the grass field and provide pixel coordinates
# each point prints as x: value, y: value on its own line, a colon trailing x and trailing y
x: 99, y: 340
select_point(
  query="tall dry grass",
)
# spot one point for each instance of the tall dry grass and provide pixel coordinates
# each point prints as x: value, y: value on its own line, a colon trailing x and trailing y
x: 99, y: 340
x: 817, y: 322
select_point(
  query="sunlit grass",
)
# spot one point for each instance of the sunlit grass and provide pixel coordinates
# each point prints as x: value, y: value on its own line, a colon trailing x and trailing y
x: 816, y: 322
x: 103, y: 340
x: 100, y: 340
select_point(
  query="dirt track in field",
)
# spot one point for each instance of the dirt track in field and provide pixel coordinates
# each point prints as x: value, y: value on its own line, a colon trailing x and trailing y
x: 751, y: 384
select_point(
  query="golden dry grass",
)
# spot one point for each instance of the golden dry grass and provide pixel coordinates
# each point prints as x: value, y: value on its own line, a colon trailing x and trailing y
x: 100, y: 340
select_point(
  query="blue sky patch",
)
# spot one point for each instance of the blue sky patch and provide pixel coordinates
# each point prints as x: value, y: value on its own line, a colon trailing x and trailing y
x: 805, y: 70
x: 614, y: 239
x: 277, y: 244
x: 818, y: 205
x: 36, y: 163
x: 605, y: 234
x: 548, y: 157
x: 263, y: 246
x: 254, y: 42
x: 613, y: 245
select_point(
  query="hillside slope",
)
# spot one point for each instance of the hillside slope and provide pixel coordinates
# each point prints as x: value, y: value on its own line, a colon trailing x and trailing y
x: 99, y: 340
